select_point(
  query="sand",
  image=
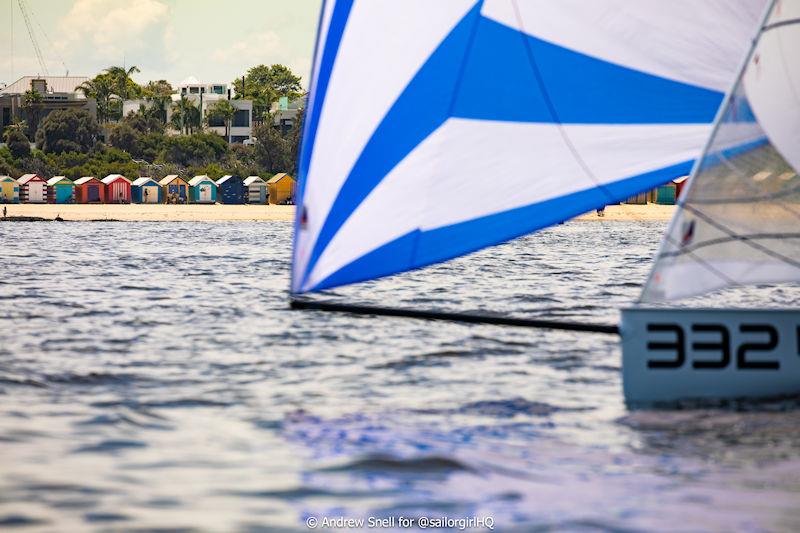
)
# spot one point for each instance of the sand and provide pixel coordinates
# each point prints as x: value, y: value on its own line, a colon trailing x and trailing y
x: 190, y: 213
x: 153, y: 212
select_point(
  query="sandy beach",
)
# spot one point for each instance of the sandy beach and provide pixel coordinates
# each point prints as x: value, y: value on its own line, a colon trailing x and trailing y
x: 221, y: 213
x: 153, y: 212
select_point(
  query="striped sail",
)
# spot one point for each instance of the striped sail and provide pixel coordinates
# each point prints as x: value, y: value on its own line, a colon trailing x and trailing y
x: 739, y: 215
x: 434, y: 129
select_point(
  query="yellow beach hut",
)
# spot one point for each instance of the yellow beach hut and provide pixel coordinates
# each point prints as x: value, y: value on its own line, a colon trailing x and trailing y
x: 281, y: 189
x: 9, y: 190
x: 175, y: 189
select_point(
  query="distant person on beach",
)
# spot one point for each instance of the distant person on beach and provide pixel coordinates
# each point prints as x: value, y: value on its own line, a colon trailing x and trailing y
x: 146, y: 192
x: 5, y: 211
x: 601, y: 211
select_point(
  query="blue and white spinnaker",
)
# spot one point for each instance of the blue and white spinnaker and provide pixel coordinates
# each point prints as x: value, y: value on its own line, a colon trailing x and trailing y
x: 434, y: 129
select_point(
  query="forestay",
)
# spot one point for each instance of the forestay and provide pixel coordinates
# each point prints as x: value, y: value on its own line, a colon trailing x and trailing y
x: 739, y: 221
x: 436, y: 128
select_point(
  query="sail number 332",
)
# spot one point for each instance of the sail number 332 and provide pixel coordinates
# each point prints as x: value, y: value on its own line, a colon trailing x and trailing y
x: 709, y: 346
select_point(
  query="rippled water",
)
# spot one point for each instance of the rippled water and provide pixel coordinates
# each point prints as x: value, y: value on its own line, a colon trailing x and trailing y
x: 151, y: 376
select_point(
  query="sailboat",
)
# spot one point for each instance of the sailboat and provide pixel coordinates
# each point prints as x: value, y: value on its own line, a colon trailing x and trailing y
x: 571, y: 106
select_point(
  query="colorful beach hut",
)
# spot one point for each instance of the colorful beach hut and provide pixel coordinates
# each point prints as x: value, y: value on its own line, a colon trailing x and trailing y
x: 256, y: 190
x: 9, y: 190
x: 231, y: 190
x: 60, y: 190
x: 89, y: 190
x: 202, y: 190
x: 174, y: 189
x: 118, y: 189
x: 145, y: 190
x: 281, y: 188
x: 32, y: 189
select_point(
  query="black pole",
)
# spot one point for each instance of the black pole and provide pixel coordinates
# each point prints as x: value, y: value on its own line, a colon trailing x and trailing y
x: 297, y: 303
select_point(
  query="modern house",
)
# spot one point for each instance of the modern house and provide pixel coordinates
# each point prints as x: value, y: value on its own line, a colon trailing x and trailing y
x: 145, y: 190
x: 204, y: 96
x: 231, y: 190
x: 60, y: 190
x: 256, y: 190
x: 89, y: 190
x: 281, y: 189
x: 58, y: 92
x: 202, y: 190
x: 32, y: 189
x: 9, y: 190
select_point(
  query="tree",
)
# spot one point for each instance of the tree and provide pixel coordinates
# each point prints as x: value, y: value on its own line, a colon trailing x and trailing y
x: 193, y: 150
x: 185, y: 116
x: 272, y: 149
x: 68, y: 130
x: 18, y: 144
x: 222, y: 110
x: 159, y: 93
x: 123, y: 86
x: 32, y: 104
x: 101, y: 88
x: 293, y: 138
x: 124, y: 137
x: 264, y: 85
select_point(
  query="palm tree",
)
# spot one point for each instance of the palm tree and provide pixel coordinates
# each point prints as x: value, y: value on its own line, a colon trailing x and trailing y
x: 32, y: 104
x: 160, y: 94
x: 101, y: 89
x: 185, y: 116
x: 224, y: 110
x: 124, y: 86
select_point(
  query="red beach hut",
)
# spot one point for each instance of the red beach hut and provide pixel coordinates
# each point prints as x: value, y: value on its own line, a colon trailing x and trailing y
x: 32, y: 189
x: 89, y: 190
x: 118, y: 189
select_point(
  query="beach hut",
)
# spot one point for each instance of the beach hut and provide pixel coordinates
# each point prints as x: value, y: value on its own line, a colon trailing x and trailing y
x: 256, y: 190
x: 60, y: 190
x: 89, y: 190
x: 32, y: 189
x: 665, y: 194
x: 174, y: 189
x: 280, y: 189
x: 145, y: 191
x: 9, y: 190
x: 202, y: 190
x: 118, y: 189
x: 231, y: 190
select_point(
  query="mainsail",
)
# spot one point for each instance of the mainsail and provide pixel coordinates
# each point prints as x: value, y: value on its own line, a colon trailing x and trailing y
x: 739, y: 221
x: 434, y: 129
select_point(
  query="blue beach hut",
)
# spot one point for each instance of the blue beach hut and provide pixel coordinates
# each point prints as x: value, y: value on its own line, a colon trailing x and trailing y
x: 145, y: 190
x: 231, y: 190
x: 202, y: 190
x: 60, y: 190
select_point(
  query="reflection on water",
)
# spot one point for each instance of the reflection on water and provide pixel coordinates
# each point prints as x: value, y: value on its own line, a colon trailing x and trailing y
x: 152, y: 376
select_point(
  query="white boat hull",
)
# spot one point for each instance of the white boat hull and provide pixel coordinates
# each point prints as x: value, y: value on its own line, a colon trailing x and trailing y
x: 681, y: 354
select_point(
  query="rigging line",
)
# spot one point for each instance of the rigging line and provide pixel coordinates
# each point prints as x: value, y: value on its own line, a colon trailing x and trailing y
x: 752, y: 244
x: 562, y: 131
x: 702, y: 262
x: 302, y: 303
x: 723, y: 240
x: 787, y: 22
x: 53, y: 46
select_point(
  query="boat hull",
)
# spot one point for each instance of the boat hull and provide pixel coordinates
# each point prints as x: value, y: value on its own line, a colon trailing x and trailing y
x: 683, y: 354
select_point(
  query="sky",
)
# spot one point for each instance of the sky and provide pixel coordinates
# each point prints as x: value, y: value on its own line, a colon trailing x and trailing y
x: 212, y: 40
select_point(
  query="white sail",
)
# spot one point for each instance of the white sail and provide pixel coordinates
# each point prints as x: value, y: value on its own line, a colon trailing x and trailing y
x: 739, y: 220
x: 434, y: 129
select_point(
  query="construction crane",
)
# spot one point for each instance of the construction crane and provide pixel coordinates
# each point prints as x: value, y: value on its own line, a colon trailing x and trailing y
x: 23, y: 7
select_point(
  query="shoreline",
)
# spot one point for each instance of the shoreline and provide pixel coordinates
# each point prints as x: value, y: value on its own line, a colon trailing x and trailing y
x: 249, y: 213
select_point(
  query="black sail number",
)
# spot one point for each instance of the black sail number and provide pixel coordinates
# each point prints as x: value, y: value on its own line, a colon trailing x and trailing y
x: 723, y: 346
x: 678, y: 346
x: 768, y: 346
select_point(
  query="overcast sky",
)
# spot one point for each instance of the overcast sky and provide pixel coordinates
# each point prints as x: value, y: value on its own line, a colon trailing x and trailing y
x: 213, y: 40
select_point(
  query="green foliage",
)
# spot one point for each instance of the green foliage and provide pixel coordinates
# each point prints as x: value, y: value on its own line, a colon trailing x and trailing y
x: 186, y: 116
x: 222, y: 110
x: 196, y: 150
x: 124, y: 137
x: 18, y: 144
x: 7, y: 163
x: 68, y: 131
x: 264, y: 85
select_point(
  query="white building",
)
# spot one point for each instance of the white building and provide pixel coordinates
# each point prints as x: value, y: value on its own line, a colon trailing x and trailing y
x: 203, y: 96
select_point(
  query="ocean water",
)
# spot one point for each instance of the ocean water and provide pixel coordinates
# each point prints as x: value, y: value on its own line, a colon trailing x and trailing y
x: 152, y: 377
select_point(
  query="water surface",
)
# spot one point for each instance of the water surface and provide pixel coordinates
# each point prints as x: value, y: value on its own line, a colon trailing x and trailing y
x: 152, y: 376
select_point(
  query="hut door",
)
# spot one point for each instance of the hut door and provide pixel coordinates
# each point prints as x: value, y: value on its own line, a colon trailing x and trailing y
x: 182, y: 191
x: 36, y: 192
x: 93, y: 193
x: 205, y: 193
